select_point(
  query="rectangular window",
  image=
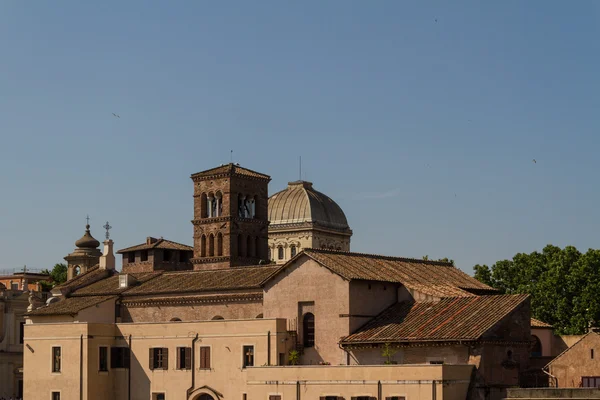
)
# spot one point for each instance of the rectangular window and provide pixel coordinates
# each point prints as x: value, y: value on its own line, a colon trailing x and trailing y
x: 159, y: 358
x: 183, y: 256
x: 362, y: 398
x: 158, y: 396
x: 144, y: 255
x: 184, y: 358
x: 205, y: 357
x: 281, y: 358
x: 103, y: 359
x: 329, y: 398
x: 131, y: 256
x: 436, y: 362
x: 56, y: 359
x: 396, y: 398
x: 166, y: 255
x: 590, y: 381
x: 119, y: 357
x: 248, y: 356
x: 14, y: 286
x: 55, y: 395
x: 21, y: 332
x: 592, y: 353
x: 275, y: 397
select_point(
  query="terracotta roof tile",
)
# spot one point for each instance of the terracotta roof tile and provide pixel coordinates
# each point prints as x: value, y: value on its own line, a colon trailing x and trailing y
x: 159, y: 244
x: 92, y: 275
x: 430, y: 277
x: 230, y: 169
x: 70, y: 305
x: 536, y: 323
x: 204, y: 281
x: 110, y: 285
x: 454, y: 318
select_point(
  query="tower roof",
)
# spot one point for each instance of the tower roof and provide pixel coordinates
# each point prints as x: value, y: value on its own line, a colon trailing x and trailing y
x: 301, y: 203
x: 87, y: 241
x: 228, y: 170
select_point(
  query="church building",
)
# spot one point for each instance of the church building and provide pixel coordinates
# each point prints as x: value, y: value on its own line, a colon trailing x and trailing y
x: 270, y: 304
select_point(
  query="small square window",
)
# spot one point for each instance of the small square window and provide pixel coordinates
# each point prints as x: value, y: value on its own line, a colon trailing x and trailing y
x: 131, y: 257
x: 144, y: 255
x: 55, y: 395
x: 158, y: 396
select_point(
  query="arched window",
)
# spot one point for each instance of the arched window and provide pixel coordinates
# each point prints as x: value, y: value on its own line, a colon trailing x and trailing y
x: 270, y: 255
x: 257, y: 248
x: 280, y: 252
x: 203, y: 246
x: 76, y: 270
x: 218, y: 204
x: 211, y: 245
x: 536, y: 346
x: 217, y: 317
x: 254, y: 207
x: 203, y: 206
x: 259, y: 315
x: 175, y: 319
x: 293, y: 251
x: 308, y: 330
x: 220, y: 244
x: 240, y: 245
x: 250, y: 247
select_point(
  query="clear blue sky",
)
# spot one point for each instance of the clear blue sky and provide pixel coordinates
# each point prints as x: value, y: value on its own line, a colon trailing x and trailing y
x: 423, y: 131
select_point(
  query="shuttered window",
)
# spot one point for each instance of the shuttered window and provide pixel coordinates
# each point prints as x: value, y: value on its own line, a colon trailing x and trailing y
x: 103, y: 359
x: 159, y: 358
x: 184, y: 358
x: 205, y: 357
x: 119, y: 357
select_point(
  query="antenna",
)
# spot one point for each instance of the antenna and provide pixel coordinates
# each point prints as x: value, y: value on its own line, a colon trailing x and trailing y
x: 300, y: 171
x: 231, y: 156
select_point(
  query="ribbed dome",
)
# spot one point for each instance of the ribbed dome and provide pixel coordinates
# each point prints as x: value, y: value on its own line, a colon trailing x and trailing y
x: 87, y: 241
x: 300, y: 203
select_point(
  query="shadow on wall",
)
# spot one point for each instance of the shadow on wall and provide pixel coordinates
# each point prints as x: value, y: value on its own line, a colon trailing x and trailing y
x: 140, y: 382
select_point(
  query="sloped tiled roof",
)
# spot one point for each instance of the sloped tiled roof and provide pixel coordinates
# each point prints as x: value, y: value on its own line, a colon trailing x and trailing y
x: 430, y: 277
x: 159, y: 244
x: 457, y: 318
x: 70, y: 305
x: 205, y: 281
x: 231, y: 169
x: 110, y: 285
x: 536, y: 323
x: 93, y: 274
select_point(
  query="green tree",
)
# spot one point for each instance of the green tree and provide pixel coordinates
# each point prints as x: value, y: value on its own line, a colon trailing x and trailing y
x: 58, y: 275
x: 563, y: 285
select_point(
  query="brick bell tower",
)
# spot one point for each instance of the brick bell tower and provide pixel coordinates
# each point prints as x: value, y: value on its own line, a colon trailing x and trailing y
x: 230, y: 217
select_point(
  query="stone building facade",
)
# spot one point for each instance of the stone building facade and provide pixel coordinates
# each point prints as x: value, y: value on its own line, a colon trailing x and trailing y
x: 236, y: 327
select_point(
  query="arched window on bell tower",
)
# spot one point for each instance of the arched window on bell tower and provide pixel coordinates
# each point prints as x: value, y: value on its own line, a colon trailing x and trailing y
x: 211, y: 245
x: 219, y: 244
x: 203, y: 246
x: 240, y: 245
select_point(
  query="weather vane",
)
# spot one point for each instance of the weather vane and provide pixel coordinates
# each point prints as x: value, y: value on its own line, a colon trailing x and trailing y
x: 108, y: 228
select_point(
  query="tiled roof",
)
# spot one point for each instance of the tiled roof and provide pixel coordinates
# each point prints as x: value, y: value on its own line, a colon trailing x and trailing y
x: 159, y: 244
x: 70, y: 305
x: 430, y: 277
x: 536, y: 323
x: 456, y: 318
x: 110, y: 285
x: 205, y: 281
x: 231, y: 169
x: 93, y: 274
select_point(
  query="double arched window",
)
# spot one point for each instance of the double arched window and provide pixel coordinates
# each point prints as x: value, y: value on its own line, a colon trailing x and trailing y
x: 280, y: 253
x: 308, y: 330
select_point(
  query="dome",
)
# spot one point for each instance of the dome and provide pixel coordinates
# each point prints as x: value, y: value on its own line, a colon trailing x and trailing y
x: 87, y: 241
x: 300, y: 203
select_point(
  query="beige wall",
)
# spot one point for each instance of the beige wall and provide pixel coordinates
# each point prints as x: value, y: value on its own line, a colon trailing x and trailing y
x: 546, y: 339
x: 577, y: 362
x: 458, y: 354
x: 368, y: 299
x: 413, y: 382
x: 303, y: 239
x: 305, y: 285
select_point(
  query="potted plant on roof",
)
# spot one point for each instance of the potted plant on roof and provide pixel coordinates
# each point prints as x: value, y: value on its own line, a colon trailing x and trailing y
x: 293, y: 357
x: 388, y: 353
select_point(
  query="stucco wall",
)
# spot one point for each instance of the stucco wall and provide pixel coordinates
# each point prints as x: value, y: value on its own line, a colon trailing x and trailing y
x: 103, y: 313
x: 368, y: 299
x: 458, y: 354
x: 577, y: 362
x: 546, y: 339
x: 305, y: 282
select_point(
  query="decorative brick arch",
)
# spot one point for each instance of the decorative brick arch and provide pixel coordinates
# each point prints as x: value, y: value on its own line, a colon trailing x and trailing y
x: 205, y: 393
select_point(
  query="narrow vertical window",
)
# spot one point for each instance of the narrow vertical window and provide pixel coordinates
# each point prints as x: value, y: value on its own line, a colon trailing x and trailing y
x: 248, y: 356
x: 184, y: 358
x: 211, y: 245
x: 144, y: 255
x: 257, y: 248
x: 203, y: 246
x: 55, y: 395
x: 103, y: 359
x: 220, y: 244
x: 21, y: 331
x: 131, y: 257
x: 293, y: 251
x: 280, y: 252
x: 205, y: 357
x: 166, y: 255
x: 56, y: 359
x: 308, y: 326
x: 203, y: 206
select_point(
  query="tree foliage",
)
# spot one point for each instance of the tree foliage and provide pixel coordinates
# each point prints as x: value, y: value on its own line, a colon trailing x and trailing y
x: 563, y: 284
x: 445, y: 259
x: 58, y: 275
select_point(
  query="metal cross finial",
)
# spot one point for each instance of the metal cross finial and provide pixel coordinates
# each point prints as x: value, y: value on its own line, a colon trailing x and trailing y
x: 108, y: 228
x: 87, y: 218
x: 24, y: 269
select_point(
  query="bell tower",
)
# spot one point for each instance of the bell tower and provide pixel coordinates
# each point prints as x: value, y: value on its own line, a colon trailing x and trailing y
x: 230, y: 217
x: 85, y: 256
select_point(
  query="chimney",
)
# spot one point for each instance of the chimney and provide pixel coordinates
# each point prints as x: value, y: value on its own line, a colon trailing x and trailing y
x: 107, y: 260
x: 151, y: 240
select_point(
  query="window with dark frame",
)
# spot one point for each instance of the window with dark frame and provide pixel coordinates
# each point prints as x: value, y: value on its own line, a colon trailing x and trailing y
x: 21, y: 331
x: 248, y: 356
x: 131, y: 256
x: 119, y: 357
x: 158, y: 396
x: 205, y: 357
x: 159, y: 358
x: 184, y: 358
x: 308, y: 329
x: 293, y: 251
x: 275, y: 397
x: 280, y: 252
x: 144, y: 255
x: 55, y: 395
x: 166, y: 255
x: 103, y: 359
x: 329, y: 398
x: 56, y: 359
x: 395, y: 398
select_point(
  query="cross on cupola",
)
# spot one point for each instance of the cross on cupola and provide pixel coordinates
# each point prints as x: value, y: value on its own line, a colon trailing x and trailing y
x: 108, y: 228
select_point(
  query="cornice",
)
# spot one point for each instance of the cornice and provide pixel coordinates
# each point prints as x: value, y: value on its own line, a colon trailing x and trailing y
x: 206, y: 221
x: 248, y: 297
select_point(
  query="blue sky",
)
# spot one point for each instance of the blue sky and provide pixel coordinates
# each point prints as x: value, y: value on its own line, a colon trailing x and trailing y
x: 421, y: 119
